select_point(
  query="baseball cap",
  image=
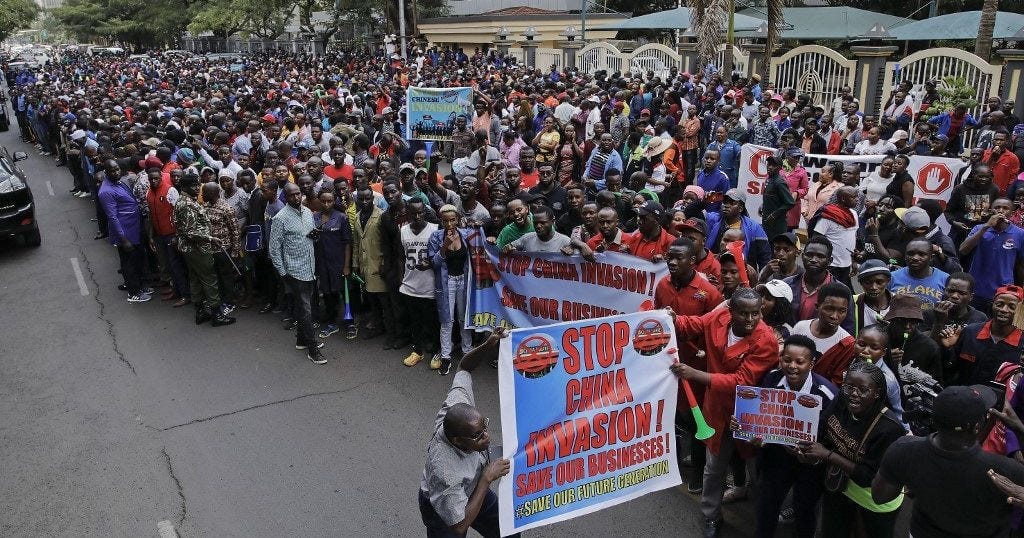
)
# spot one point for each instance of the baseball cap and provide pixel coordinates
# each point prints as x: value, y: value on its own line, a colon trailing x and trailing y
x: 899, y: 134
x: 794, y: 152
x: 406, y: 166
x: 651, y: 208
x: 906, y: 306
x: 788, y: 237
x: 736, y: 194
x: 78, y: 134
x: 961, y: 407
x: 941, y: 137
x: 915, y: 218
x: 645, y: 112
x: 528, y: 197
x: 778, y: 289
x: 151, y: 142
x: 387, y: 110
x: 872, y: 267
x: 696, y: 225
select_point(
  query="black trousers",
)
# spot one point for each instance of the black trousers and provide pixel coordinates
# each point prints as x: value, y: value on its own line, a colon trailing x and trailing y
x: 839, y: 517
x: 420, y: 316
x: 302, y: 295
x: 779, y: 472
x: 486, y: 522
x: 227, y: 278
x: 132, y: 265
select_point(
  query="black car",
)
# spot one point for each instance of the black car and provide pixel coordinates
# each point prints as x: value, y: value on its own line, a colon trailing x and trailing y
x: 17, y: 208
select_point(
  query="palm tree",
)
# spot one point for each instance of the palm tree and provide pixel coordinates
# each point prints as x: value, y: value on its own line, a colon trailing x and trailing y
x: 708, y: 26
x: 983, y: 47
x: 776, y: 17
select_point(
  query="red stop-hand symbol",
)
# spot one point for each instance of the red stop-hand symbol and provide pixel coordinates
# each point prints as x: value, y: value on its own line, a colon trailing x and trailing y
x: 758, y: 166
x: 934, y: 178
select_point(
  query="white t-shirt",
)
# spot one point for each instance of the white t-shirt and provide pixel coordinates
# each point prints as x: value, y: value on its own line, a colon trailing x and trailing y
x: 865, y: 147
x: 417, y: 282
x: 822, y: 344
x: 658, y: 173
x: 874, y: 186
x: 844, y: 240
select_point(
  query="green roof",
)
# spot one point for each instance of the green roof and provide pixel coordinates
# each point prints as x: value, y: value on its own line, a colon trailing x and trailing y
x: 673, y: 19
x: 826, y: 22
x: 963, y: 25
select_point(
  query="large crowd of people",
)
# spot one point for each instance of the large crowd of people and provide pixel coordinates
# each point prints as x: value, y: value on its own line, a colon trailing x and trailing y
x: 285, y: 184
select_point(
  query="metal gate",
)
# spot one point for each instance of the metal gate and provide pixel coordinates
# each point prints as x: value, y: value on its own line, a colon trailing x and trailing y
x: 815, y: 70
x: 600, y: 56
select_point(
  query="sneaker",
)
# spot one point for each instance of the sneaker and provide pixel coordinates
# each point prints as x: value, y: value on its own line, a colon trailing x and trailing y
x: 140, y: 298
x: 149, y: 291
x: 328, y: 331
x: 351, y: 331
x: 446, y: 367
x: 734, y: 494
x: 712, y: 527
x: 316, y: 357
x: 227, y: 308
x: 695, y: 486
x: 413, y: 359
x: 787, y: 516
x: 435, y: 362
x: 290, y: 325
x: 304, y: 346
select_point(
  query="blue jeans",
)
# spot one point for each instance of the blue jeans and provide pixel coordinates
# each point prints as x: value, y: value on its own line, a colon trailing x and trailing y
x: 486, y: 522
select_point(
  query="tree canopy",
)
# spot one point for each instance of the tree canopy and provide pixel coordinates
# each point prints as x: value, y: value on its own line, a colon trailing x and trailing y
x: 15, y: 15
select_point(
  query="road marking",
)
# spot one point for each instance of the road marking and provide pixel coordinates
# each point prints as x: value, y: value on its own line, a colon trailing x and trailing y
x: 78, y: 276
x: 49, y: 188
x: 166, y: 529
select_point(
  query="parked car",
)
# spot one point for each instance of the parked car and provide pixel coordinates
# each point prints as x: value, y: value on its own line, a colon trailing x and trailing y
x: 17, y: 208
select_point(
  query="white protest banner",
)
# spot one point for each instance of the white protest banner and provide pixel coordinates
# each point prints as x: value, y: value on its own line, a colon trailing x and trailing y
x: 933, y: 176
x: 529, y: 289
x: 587, y: 416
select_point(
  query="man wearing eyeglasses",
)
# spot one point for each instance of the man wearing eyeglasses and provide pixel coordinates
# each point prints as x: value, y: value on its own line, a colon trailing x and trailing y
x: 455, y: 491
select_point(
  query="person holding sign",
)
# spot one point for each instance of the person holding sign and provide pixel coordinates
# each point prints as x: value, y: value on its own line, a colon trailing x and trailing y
x: 455, y: 491
x: 782, y: 467
x: 854, y: 439
x: 740, y: 349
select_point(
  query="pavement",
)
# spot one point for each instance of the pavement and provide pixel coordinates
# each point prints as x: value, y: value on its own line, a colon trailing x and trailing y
x: 129, y: 420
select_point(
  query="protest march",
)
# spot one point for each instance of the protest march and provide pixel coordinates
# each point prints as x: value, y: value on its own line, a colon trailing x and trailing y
x: 696, y: 281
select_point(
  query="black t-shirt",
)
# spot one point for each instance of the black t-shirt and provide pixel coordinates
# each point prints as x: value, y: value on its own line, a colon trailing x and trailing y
x: 843, y: 433
x: 953, y: 495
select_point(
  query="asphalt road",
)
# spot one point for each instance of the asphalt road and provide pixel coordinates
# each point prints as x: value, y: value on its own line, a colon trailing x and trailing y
x: 124, y: 419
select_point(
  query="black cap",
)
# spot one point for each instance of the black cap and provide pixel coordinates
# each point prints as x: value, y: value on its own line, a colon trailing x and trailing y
x: 651, y: 208
x: 960, y: 407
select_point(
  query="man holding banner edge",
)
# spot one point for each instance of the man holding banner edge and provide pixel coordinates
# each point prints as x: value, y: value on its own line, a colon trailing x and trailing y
x: 455, y: 491
x: 740, y: 349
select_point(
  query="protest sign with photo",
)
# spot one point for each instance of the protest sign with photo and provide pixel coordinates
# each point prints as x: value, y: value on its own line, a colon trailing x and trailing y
x: 432, y: 111
x: 587, y: 416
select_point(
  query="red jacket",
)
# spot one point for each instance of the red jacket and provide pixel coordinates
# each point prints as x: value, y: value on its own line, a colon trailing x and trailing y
x: 160, y: 209
x: 745, y: 363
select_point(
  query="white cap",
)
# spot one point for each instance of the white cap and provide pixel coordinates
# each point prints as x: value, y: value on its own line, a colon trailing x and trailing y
x: 780, y: 289
x: 78, y: 134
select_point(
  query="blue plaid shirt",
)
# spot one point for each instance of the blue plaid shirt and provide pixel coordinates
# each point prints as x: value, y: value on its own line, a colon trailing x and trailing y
x: 291, y: 250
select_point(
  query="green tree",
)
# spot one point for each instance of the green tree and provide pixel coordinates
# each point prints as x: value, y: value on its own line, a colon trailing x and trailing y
x: 16, y: 15
x: 137, y: 23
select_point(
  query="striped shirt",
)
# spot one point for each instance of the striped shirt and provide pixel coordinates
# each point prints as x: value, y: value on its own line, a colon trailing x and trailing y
x: 291, y: 250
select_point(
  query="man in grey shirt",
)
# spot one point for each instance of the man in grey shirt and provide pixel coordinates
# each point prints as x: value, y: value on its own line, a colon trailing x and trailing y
x: 455, y: 491
x: 544, y: 238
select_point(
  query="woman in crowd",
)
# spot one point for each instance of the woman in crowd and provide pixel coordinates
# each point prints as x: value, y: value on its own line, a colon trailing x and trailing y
x: 853, y: 439
x: 821, y: 191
